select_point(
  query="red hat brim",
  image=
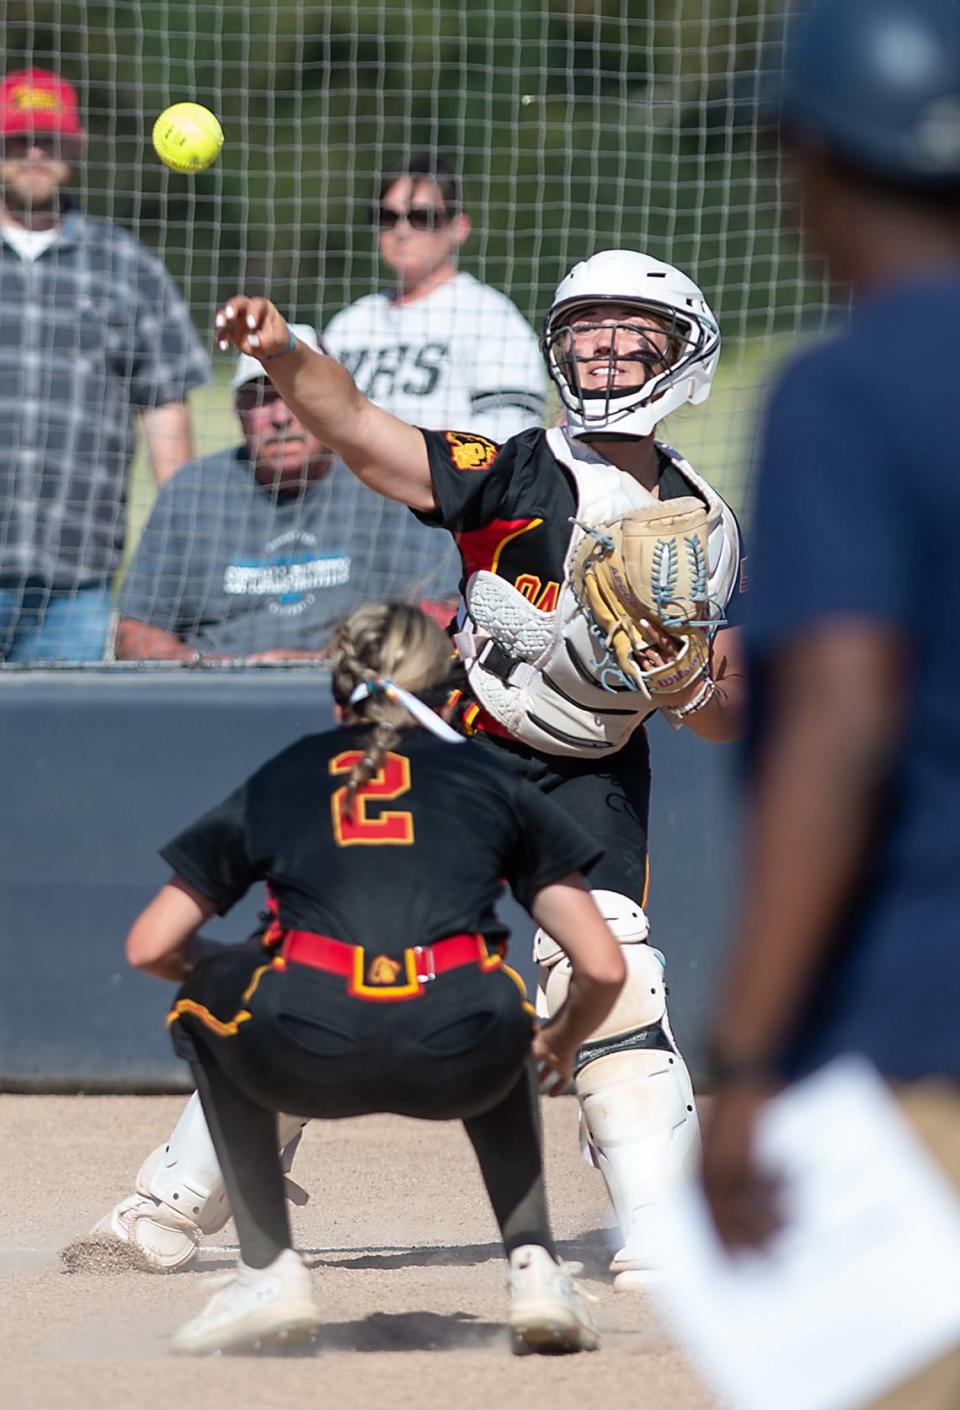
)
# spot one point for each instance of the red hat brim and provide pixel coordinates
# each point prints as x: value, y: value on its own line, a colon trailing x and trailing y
x: 39, y: 120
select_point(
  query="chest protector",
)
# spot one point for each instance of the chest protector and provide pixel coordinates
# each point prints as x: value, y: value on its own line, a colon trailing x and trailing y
x: 547, y: 677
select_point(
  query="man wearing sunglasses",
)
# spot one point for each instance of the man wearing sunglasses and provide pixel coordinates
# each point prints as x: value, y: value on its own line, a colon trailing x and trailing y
x: 438, y: 348
x: 94, y: 338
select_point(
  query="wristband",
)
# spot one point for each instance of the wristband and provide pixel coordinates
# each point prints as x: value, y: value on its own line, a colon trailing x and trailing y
x: 288, y: 349
x: 703, y: 697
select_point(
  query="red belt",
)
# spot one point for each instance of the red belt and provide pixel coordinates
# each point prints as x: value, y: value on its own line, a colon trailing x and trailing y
x: 385, y: 978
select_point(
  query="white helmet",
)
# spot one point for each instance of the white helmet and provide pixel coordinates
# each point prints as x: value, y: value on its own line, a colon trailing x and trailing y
x: 684, y: 373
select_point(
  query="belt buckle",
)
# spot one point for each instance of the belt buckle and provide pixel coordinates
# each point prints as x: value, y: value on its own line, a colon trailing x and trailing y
x: 380, y: 978
x: 423, y: 959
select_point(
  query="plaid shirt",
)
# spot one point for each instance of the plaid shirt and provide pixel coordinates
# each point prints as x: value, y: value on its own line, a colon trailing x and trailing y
x: 90, y: 330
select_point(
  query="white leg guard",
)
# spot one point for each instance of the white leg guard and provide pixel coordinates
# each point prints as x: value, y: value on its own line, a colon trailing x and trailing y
x: 639, y: 1120
x: 180, y: 1194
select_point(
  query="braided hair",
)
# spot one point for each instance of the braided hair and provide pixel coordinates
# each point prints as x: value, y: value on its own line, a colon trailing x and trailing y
x: 386, y: 641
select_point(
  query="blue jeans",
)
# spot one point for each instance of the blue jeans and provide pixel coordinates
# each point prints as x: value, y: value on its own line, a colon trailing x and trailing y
x: 38, y: 623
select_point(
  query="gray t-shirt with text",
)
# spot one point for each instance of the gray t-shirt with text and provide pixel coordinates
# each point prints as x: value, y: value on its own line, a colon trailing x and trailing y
x: 231, y: 568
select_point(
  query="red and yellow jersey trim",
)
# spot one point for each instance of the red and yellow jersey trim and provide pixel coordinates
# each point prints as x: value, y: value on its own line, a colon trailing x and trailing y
x: 482, y: 548
x: 229, y: 1027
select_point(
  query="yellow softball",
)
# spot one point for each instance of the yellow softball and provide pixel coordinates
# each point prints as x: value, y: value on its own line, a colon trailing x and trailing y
x: 187, y: 137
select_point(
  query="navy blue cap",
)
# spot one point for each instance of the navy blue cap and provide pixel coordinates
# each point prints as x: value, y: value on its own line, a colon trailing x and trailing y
x: 877, y: 83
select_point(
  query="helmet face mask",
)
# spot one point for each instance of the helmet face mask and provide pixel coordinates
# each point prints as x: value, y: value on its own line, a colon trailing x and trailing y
x: 592, y: 380
x: 621, y: 358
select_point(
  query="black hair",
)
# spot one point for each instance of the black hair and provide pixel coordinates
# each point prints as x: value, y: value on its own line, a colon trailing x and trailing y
x: 426, y: 166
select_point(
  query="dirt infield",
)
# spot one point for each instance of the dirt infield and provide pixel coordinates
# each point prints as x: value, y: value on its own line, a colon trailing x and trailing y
x: 404, y: 1256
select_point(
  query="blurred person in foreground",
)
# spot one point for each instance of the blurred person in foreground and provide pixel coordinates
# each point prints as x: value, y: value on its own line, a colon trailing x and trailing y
x: 257, y: 551
x: 381, y: 986
x: 848, y: 934
x: 93, y: 331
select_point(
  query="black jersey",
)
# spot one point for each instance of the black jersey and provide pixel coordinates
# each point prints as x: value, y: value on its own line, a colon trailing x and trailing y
x: 423, y: 855
x: 510, y: 507
x: 510, y: 510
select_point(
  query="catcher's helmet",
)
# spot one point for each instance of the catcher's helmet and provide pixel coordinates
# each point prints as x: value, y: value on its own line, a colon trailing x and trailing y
x: 877, y: 83
x: 664, y: 294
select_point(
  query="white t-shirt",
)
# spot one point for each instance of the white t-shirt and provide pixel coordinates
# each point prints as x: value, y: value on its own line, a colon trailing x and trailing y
x: 29, y: 244
x: 462, y: 358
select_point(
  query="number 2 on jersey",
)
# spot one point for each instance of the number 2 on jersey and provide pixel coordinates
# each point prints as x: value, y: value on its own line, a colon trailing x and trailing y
x: 388, y: 828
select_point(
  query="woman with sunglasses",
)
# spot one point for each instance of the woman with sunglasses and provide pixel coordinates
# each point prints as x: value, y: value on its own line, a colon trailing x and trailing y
x: 438, y: 348
x: 381, y: 985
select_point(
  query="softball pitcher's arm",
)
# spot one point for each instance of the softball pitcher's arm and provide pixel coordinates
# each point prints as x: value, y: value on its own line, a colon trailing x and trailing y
x: 567, y: 911
x: 163, y: 939
x: 385, y: 453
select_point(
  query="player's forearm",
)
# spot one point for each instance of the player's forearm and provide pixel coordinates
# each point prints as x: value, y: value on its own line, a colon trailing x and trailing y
x: 386, y: 454
x: 172, y: 968
x: 181, y: 962
x: 568, y: 913
x: 818, y: 791
x: 722, y: 718
x: 587, y: 1004
x: 320, y: 391
x: 138, y: 641
x: 169, y: 437
x: 159, y: 939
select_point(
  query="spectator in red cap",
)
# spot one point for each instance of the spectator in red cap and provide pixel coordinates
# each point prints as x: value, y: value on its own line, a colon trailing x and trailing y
x: 37, y: 101
x: 94, y: 335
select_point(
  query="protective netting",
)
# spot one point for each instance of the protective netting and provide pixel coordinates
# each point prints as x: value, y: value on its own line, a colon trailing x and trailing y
x: 574, y: 125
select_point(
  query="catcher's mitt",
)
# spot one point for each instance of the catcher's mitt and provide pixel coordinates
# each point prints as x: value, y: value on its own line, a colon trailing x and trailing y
x: 651, y: 566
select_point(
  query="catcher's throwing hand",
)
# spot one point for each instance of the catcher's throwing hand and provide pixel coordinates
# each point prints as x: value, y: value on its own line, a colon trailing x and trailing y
x: 660, y: 651
x: 253, y: 326
x: 661, y: 647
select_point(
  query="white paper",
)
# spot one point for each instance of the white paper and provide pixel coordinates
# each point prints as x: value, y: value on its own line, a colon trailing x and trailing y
x: 862, y: 1287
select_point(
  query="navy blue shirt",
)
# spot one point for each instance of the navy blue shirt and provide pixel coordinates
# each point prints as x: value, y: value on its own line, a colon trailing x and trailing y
x: 857, y: 516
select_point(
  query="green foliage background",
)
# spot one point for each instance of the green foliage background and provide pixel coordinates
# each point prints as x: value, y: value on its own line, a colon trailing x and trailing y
x: 577, y: 123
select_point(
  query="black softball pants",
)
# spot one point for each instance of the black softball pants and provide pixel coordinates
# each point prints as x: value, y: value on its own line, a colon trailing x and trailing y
x: 295, y: 1041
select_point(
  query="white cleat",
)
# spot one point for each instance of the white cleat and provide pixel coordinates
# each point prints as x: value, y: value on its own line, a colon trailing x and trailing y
x: 259, y: 1307
x: 547, y: 1314
x: 158, y: 1239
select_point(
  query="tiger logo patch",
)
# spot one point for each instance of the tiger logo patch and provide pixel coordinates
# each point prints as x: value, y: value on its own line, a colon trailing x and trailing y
x: 383, y: 970
x: 470, y: 452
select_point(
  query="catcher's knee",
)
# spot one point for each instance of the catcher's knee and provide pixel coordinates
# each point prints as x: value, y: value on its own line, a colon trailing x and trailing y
x: 639, y: 1016
x: 629, y: 1074
x: 629, y: 924
x: 633, y: 1044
